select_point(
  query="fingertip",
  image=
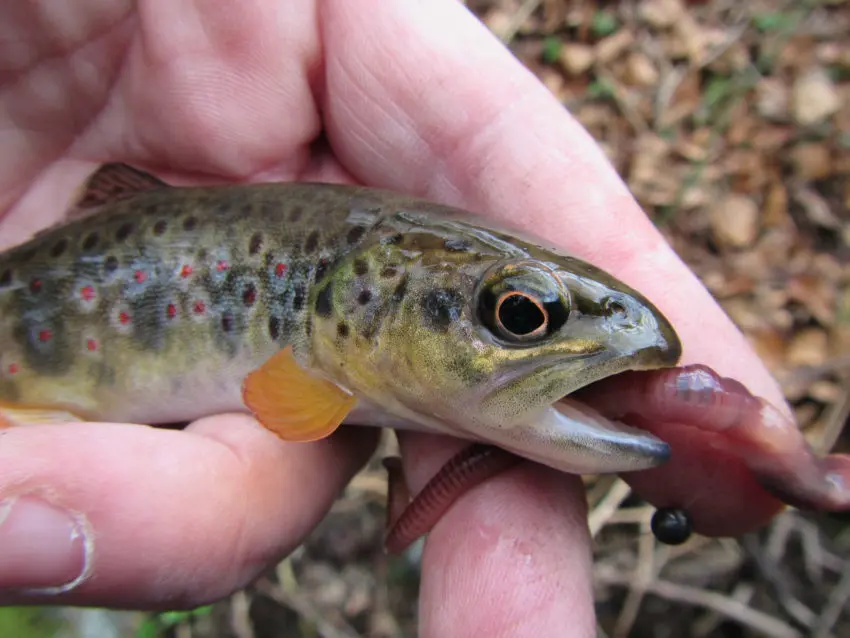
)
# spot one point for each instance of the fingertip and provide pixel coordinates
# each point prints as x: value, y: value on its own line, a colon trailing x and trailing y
x: 511, y: 557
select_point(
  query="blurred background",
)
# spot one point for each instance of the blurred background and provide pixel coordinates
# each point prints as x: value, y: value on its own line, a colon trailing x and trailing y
x: 730, y: 122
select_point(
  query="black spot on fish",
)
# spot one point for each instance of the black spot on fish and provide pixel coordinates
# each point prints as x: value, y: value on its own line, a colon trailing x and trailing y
x: 296, y: 213
x: 5, y: 278
x: 227, y: 322
x: 123, y: 232
x: 312, y: 242
x: 361, y: 267
x: 255, y: 244
x: 274, y: 328
x: 400, y: 290
x: 298, y: 298
x: 246, y: 209
x: 190, y: 223
x: 59, y: 248
x: 151, y: 209
x: 321, y: 269
x: 364, y: 297
x: 324, y: 302
x: 355, y: 234
x: 342, y: 329
x: 202, y: 254
x: 442, y: 307
x: 389, y: 272
x: 110, y: 264
x: 458, y: 245
x: 160, y: 227
x: 91, y: 241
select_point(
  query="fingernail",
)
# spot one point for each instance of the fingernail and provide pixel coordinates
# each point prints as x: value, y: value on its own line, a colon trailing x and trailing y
x: 43, y: 549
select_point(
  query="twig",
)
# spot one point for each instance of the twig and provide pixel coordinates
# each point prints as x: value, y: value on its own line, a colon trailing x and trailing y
x: 287, y: 594
x: 643, y: 577
x: 769, y: 562
x: 742, y: 593
x: 240, y: 619
x: 834, y: 419
x: 834, y: 605
x: 606, y: 508
x: 813, y: 555
x: 518, y: 19
x: 752, y: 618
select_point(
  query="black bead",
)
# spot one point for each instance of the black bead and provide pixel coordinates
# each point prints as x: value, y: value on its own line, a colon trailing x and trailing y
x: 672, y: 525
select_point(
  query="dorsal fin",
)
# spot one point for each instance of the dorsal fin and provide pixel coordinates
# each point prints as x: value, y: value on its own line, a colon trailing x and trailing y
x: 113, y: 182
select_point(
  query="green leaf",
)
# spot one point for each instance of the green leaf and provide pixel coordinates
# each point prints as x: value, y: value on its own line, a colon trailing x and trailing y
x: 718, y: 88
x: 149, y: 629
x: 600, y: 90
x: 171, y: 618
x: 603, y: 24
x: 551, y: 49
x: 28, y: 622
x: 774, y: 21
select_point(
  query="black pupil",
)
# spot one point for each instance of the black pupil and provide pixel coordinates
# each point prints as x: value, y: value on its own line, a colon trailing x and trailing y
x: 521, y: 316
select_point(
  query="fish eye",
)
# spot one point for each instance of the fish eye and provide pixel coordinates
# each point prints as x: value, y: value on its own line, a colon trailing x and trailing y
x: 521, y: 315
x: 521, y: 303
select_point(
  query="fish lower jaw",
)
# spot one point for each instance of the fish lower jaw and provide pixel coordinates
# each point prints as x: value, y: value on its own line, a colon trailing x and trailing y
x: 572, y: 437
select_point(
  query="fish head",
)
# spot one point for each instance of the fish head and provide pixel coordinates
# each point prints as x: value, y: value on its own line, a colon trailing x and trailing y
x: 480, y: 334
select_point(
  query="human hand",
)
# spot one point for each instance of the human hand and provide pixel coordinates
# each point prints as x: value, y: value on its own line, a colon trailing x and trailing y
x: 412, y: 96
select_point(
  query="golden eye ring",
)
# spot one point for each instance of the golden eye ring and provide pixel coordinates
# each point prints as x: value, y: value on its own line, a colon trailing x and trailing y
x: 516, y: 298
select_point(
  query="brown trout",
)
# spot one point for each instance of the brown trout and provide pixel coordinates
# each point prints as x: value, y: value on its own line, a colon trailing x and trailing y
x: 313, y: 305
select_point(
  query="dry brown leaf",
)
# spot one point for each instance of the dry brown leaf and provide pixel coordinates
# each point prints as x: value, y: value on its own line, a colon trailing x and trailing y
x: 809, y: 347
x: 661, y: 14
x: 811, y: 161
x: 576, y: 59
x: 814, y: 97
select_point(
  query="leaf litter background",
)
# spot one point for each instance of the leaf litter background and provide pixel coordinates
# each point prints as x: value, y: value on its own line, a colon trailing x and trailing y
x: 730, y: 122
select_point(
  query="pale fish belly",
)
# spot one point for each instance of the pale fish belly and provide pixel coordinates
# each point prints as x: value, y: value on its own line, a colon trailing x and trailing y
x: 177, y: 399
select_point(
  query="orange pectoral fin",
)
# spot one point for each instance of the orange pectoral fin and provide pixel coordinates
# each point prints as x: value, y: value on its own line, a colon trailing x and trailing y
x: 12, y: 415
x: 293, y: 403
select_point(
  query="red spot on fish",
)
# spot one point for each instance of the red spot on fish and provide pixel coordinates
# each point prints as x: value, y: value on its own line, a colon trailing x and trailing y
x: 124, y: 318
x: 199, y: 307
x: 140, y: 276
x: 91, y: 345
x: 222, y: 265
x: 280, y: 270
x: 171, y: 311
x: 250, y: 296
x: 45, y: 335
x: 35, y: 285
x: 186, y: 272
x: 87, y: 293
x: 14, y: 368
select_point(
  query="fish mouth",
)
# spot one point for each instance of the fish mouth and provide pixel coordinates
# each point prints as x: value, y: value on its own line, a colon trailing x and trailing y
x: 602, y: 445
x: 572, y: 436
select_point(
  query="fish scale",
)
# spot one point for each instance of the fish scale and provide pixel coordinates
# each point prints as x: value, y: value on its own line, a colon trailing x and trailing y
x: 199, y: 284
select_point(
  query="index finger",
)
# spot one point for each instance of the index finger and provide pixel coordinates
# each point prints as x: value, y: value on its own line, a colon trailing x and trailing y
x: 449, y: 114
